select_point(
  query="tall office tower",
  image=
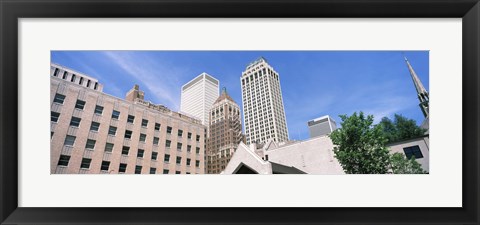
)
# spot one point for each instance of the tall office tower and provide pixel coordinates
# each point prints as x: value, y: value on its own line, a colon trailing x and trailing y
x: 198, y: 96
x: 422, y: 93
x: 96, y: 133
x: 225, y: 133
x: 263, y: 111
x: 321, y: 126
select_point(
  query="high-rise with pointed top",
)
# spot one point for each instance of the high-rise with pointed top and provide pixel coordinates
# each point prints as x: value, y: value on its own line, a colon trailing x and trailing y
x: 263, y: 110
x: 225, y: 133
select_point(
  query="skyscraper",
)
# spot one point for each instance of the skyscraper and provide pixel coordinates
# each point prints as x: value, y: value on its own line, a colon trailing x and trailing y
x: 225, y: 133
x: 263, y: 111
x: 321, y: 126
x: 198, y: 96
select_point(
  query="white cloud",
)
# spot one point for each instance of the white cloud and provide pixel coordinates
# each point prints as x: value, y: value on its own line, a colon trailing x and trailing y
x: 158, y: 79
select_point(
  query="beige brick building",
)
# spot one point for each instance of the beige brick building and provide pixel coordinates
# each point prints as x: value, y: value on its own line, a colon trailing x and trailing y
x: 93, y: 132
x: 225, y: 133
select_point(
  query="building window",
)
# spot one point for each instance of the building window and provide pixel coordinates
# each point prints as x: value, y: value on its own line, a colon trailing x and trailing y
x: 59, y: 98
x: 157, y: 126
x: 197, y: 163
x: 125, y: 150
x: 143, y: 137
x: 179, y: 160
x: 198, y: 138
x: 73, y: 78
x: 197, y: 150
x: 188, y: 162
x: 128, y: 134
x: 167, y: 158
x: 80, y: 104
x: 98, y: 110
x: 108, y: 147
x: 177, y: 172
x: 95, y: 126
x: 122, y: 168
x: 155, y: 140
x: 75, y: 122
x: 165, y: 171
x: 64, y: 75
x: 112, y: 130
x: 54, y: 116
x: 413, y: 151
x: 140, y: 153
x: 56, y: 72
x: 81, y: 81
x: 51, y: 134
x: 69, y: 140
x: 130, y: 119
x: 180, y: 133
x: 90, y: 144
x: 144, y: 123
x: 64, y: 159
x: 154, y: 155
x: 88, y: 83
x: 169, y: 130
x: 153, y: 170
x: 189, y: 135
x: 115, y: 114
x: 105, y: 166
x: 168, y: 143
x: 179, y: 146
x: 96, y: 86
x: 266, y: 157
x: 189, y: 148
x: 85, y: 163
x: 138, y: 169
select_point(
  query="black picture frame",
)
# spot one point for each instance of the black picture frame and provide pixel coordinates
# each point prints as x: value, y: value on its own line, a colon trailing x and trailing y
x: 11, y: 11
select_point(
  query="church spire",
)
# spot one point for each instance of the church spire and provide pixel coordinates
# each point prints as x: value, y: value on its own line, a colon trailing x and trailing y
x: 421, y: 91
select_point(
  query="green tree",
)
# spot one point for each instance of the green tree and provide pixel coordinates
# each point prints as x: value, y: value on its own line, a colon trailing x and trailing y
x: 360, y: 146
x: 399, y: 164
x: 400, y: 129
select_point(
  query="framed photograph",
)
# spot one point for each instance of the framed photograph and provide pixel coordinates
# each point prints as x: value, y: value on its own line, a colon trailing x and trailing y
x: 205, y: 112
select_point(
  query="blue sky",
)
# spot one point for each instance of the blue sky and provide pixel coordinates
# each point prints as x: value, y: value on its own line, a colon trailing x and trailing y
x: 314, y: 83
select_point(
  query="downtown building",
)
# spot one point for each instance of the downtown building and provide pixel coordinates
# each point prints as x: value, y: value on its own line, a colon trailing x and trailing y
x: 96, y: 133
x: 225, y: 133
x: 198, y: 96
x: 321, y: 126
x: 263, y: 110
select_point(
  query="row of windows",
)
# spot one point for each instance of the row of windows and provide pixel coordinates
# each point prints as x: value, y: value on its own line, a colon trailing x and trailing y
x: 70, y: 141
x: 59, y: 98
x: 73, y: 78
x: 105, y: 166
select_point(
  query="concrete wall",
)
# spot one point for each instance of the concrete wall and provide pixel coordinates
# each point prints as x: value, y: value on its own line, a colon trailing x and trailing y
x: 313, y: 156
x: 246, y: 156
x: 423, y: 144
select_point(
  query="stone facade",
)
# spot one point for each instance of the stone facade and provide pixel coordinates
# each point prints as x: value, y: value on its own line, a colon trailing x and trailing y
x: 93, y: 132
x: 225, y: 133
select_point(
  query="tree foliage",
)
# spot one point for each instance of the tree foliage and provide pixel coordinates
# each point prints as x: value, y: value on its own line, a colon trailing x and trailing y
x: 399, y: 164
x: 360, y: 146
x: 400, y: 128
